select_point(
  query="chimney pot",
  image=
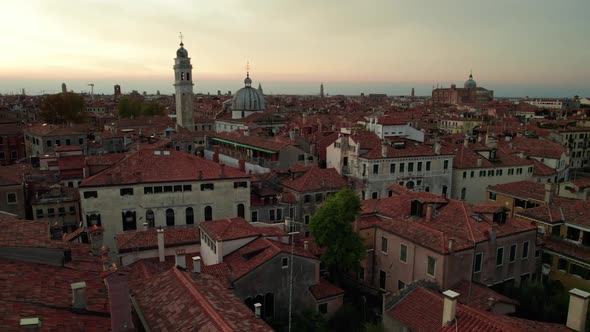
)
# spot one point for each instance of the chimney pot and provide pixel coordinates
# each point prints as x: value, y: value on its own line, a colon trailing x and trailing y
x: 449, y: 306
x: 180, y: 258
x: 306, y: 245
x: 429, y: 211
x: 578, y: 307
x: 145, y: 226
x: 161, y: 245
x: 79, y: 295
x: 548, y: 193
x: 257, y: 309
x: 197, y: 264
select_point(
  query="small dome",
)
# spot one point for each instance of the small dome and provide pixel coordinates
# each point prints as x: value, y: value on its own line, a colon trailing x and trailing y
x: 470, y: 83
x: 248, y: 99
x: 182, y: 52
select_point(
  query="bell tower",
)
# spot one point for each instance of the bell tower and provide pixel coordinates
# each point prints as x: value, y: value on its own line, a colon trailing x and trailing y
x: 183, y: 86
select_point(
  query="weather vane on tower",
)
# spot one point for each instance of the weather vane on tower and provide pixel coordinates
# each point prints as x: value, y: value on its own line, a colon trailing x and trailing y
x: 180, y: 36
x: 248, y: 68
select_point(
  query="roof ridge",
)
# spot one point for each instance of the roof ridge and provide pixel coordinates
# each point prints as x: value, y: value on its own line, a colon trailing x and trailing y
x: 468, y: 223
x: 189, y: 284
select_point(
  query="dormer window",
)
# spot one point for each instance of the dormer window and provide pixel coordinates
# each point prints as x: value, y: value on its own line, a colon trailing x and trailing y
x: 500, y: 217
x: 416, y: 209
x: 493, y: 154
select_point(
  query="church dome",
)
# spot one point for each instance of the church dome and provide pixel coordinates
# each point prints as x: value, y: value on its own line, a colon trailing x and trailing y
x: 248, y: 98
x: 182, y: 52
x: 470, y: 83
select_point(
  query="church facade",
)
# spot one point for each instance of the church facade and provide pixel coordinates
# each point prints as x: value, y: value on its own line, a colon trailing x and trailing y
x: 470, y: 93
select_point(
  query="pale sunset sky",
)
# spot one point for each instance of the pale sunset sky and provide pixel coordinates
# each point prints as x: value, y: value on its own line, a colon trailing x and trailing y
x: 515, y: 47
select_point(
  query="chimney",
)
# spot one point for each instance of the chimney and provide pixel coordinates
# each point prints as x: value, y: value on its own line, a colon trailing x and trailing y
x: 161, y: 244
x: 118, y: 291
x: 30, y: 323
x: 451, y: 243
x: 548, y: 193
x: 479, y: 162
x: 180, y: 258
x: 197, y: 264
x: 79, y: 295
x: 242, y: 165
x: 145, y: 226
x: 216, y: 153
x: 304, y: 118
x: 449, y: 306
x: 257, y: 309
x: 306, y: 245
x: 383, y: 149
x: 429, y: 211
x: 246, y: 132
x: 465, y: 142
x: 437, y: 147
x: 576, y: 314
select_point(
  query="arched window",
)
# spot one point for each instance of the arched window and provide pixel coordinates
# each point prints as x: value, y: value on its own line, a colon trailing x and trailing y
x: 269, y: 305
x: 169, y: 217
x: 150, y: 218
x: 444, y: 190
x: 427, y: 189
x: 129, y: 222
x: 182, y: 76
x: 188, y: 76
x: 463, y: 194
x: 410, y: 185
x: 208, y: 213
x: 190, y: 216
x: 241, y: 210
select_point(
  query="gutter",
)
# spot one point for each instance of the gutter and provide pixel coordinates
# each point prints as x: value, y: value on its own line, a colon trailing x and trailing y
x: 140, y: 314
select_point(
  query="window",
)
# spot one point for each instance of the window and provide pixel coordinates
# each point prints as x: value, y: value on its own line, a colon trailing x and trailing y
x: 512, y: 257
x: 478, y: 262
x: 279, y: 214
x: 126, y: 191
x: 129, y: 222
x: 241, y: 184
x: 562, y: 264
x: 254, y: 216
x: 361, y: 274
x: 61, y: 211
x: 49, y: 143
x: 319, y: 197
x: 57, y: 142
x: 482, y: 174
x: 521, y: 203
x: 446, y: 164
x: 401, y: 285
x: 271, y: 214
x: 573, y: 234
x: 374, y: 195
x: 241, y: 210
x: 428, y: 165
x: 1, y: 155
x: 382, y: 277
x: 68, y: 141
x: 500, y: 256
x: 323, y: 308
x: 464, y: 175
x: 150, y: 219
x: 402, y: 167
x: 492, y: 196
x: 463, y: 193
x: 472, y: 173
x: 39, y: 213
x: 169, y: 217
x: 190, y: 216
x: 80, y: 141
x: 167, y: 189
x: 490, y: 172
x: 178, y: 188
x: 158, y: 190
x: 285, y: 262
x: 11, y: 198
x: 403, y: 253
x: 391, y: 168
x: 207, y: 186
x: 431, y: 266
x: 375, y: 169
x: 187, y: 187
x: 90, y: 194
x: 383, y: 244
x: 525, y: 250
x: 306, y: 219
x: 306, y: 198
x: 51, y: 212
x: 410, y: 167
x: 13, y: 155
x: 208, y: 213
x: 519, y: 170
x: 420, y: 166
x: 579, y: 271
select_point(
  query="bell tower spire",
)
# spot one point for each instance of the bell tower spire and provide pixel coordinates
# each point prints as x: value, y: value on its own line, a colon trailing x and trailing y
x: 183, y: 86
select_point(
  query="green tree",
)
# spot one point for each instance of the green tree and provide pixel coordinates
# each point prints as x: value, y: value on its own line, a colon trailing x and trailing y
x: 129, y: 107
x: 331, y: 227
x: 151, y: 109
x: 63, y: 108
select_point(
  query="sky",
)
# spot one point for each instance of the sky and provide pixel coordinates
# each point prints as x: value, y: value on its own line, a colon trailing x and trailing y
x: 516, y: 48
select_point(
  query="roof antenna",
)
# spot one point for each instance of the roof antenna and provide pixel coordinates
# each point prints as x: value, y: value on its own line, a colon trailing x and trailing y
x: 180, y: 36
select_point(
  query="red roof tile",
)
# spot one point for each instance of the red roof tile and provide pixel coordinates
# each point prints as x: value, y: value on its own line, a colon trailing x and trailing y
x: 230, y: 229
x: 325, y: 290
x: 154, y: 166
x: 521, y: 189
x: 316, y: 179
x: 480, y: 297
x: 145, y: 240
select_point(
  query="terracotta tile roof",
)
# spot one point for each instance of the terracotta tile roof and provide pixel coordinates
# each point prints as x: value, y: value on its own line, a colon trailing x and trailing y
x: 567, y: 248
x: 521, y: 189
x: 146, y: 240
x: 181, y: 301
x: 316, y: 179
x: 581, y: 183
x: 147, y: 166
x: 27, y: 233
x: 540, y: 169
x: 73, y: 235
x: 451, y: 220
x: 534, y: 147
x: 325, y: 290
x: 421, y: 310
x: 230, y: 229
x: 411, y: 149
x: 466, y: 157
x: 71, y: 162
x: 367, y: 139
x: 560, y: 210
x: 54, y: 130
x: 258, y: 252
x: 482, y: 297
